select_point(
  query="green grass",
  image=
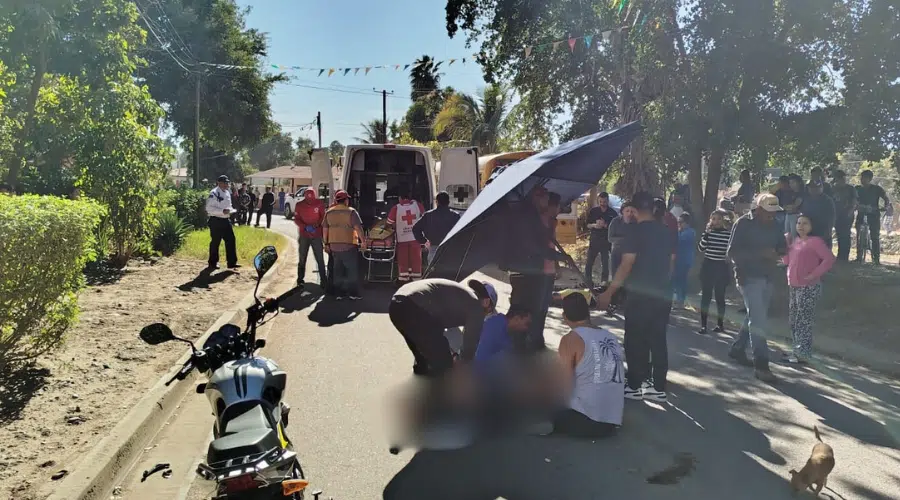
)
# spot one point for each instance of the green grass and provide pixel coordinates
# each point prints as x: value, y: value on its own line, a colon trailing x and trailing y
x: 249, y: 240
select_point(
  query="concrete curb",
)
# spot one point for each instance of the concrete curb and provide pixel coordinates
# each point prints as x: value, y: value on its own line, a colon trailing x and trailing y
x: 95, y: 477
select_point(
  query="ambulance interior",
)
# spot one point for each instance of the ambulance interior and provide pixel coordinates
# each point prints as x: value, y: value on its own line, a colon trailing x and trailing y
x: 376, y: 177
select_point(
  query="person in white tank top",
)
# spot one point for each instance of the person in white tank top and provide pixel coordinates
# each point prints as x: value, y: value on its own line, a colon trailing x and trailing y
x: 593, y: 371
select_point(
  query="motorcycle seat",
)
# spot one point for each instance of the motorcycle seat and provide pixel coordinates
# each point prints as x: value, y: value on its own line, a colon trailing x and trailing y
x: 253, y: 418
x: 248, y: 433
x: 242, y: 444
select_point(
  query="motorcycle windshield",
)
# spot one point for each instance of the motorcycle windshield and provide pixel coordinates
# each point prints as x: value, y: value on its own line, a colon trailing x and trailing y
x: 222, y: 335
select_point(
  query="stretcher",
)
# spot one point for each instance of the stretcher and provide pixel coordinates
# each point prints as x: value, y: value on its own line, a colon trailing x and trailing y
x: 380, y: 253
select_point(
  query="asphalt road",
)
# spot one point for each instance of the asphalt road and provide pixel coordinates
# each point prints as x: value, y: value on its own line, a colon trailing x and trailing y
x: 740, y: 436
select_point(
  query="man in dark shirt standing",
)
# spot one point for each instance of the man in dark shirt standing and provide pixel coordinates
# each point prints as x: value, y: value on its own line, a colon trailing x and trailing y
x: 756, y: 247
x: 820, y: 209
x: 434, y: 226
x: 869, y: 195
x: 844, y: 206
x: 267, y: 204
x: 598, y: 219
x: 645, y: 272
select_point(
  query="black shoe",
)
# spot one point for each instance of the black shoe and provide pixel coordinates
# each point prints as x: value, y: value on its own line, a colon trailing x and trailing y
x: 212, y: 266
x: 235, y: 266
x: 702, y: 331
x: 719, y: 329
x: 740, y: 357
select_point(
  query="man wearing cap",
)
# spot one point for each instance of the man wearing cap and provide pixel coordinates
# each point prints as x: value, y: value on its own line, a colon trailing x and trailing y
x: 219, y: 209
x: 342, y: 229
x: 423, y: 310
x: 756, y: 247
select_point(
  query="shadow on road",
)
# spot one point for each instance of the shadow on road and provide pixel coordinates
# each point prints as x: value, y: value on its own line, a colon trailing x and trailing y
x: 651, y: 442
x: 17, y: 387
x: 205, y: 279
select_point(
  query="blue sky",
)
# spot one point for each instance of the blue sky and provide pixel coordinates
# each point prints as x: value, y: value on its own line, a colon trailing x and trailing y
x: 354, y: 33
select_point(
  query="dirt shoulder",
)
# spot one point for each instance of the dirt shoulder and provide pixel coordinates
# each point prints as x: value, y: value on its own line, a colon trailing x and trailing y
x: 56, y: 410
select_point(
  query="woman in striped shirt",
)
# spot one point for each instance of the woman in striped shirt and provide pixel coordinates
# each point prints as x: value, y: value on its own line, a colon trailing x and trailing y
x: 715, y: 273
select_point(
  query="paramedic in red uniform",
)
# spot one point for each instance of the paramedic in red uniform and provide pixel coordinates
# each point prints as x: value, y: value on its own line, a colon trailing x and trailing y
x: 403, y: 216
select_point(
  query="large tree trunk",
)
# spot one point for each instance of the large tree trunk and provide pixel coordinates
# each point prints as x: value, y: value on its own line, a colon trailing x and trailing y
x: 713, y: 178
x: 17, y: 158
x: 695, y: 184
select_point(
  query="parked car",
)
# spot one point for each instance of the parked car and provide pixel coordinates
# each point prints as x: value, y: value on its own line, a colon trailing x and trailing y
x: 290, y: 201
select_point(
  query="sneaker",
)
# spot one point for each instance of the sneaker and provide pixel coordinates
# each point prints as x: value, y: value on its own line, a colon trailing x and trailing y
x: 765, y: 375
x: 740, y: 357
x: 795, y: 360
x: 355, y: 297
x: 719, y: 329
x: 702, y: 331
x: 633, y: 394
x: 339, y: 297
x: 652, y: 394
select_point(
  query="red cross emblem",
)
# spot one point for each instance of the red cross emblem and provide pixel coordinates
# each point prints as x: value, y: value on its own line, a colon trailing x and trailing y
x: 409, y: 218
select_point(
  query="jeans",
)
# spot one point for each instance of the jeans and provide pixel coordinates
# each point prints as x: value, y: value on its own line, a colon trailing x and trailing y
x: 316, y: 245
x: 594, y: 250
x: 757, y: 293
x: 346, y: 272
x: 680, y: 283
x: 424, y: 336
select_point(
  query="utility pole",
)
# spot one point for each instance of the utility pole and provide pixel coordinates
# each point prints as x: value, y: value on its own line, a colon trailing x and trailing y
x: 384, y: 132
x: 197, y: 134
x: 319, y: 126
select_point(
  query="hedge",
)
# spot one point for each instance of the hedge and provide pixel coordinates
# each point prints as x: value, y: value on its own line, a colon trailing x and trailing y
x: 45, y: 243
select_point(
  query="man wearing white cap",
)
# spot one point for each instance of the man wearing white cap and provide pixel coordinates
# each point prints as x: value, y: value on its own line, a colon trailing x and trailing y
x: 756, y: 247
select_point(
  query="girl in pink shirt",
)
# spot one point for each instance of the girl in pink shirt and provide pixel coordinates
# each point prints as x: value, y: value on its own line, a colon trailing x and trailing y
x: 808, y: 258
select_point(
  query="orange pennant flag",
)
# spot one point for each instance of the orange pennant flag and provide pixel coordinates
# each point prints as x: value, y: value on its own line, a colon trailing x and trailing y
x: 368, y: 68
x: 330, y: 71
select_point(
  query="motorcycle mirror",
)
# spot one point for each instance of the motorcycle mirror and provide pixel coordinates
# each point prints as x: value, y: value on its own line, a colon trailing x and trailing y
x: 260, y: 343
x: 157, y: 333
x: 264, y: 260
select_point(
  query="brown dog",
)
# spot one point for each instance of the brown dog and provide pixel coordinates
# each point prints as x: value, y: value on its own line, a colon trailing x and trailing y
x: 816, y: 470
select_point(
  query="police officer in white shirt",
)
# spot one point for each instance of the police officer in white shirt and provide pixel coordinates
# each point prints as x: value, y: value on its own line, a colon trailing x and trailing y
x: 219, y: 208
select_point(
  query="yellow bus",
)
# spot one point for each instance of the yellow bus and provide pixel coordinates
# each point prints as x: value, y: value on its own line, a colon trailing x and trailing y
x: 489, y: 163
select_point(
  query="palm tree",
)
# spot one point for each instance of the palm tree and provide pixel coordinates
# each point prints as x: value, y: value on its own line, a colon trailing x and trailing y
x: 424, y: 77
x: 481, y: 119
x: 373, y: 133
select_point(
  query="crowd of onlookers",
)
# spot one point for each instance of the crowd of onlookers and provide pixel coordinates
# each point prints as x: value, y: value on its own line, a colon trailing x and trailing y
x: 750, y: 238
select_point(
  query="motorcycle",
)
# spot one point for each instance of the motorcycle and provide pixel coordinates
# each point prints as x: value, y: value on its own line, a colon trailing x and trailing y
x: 250, y: 456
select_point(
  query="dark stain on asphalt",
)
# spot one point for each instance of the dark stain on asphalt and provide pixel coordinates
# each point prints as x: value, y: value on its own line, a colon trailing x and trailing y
x: 682, y: 466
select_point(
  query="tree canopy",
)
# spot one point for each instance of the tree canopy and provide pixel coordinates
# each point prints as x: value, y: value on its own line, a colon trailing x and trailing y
x: 732, y: 82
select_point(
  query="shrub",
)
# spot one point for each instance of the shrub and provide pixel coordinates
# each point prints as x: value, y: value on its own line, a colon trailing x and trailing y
x: 171, y: 231
x: 45, y: 243
x: 189, y: 205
